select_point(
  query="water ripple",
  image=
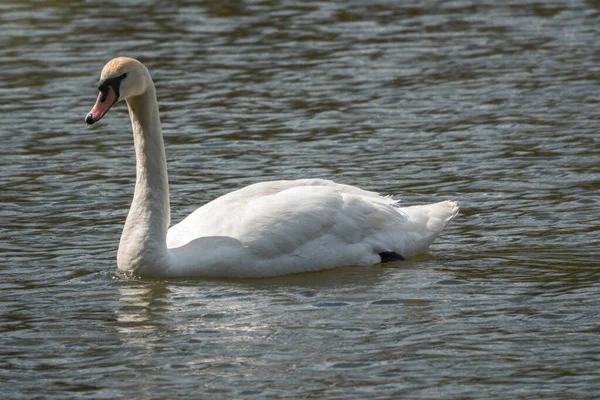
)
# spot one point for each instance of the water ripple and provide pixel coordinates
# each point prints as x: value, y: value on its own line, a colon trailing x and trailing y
x: 493, y: 104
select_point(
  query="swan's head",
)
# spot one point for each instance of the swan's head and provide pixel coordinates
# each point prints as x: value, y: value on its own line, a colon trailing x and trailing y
x: 121, y: 78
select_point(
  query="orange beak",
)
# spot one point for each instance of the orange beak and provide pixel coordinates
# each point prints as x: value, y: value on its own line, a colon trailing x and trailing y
x: 103, y: 103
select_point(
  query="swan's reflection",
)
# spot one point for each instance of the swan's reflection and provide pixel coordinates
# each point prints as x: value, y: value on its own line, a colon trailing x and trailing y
x: 142, y: 307
x: 246, y: 314
x: 150, y: 311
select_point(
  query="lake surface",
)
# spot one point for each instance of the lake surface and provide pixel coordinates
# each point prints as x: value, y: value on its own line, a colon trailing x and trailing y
x: 493, y: 104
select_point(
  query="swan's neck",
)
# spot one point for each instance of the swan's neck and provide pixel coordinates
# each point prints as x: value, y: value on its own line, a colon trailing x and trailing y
x: 143, y: 242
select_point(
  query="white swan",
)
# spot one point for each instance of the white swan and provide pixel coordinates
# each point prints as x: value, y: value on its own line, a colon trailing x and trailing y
x: 266, y: 229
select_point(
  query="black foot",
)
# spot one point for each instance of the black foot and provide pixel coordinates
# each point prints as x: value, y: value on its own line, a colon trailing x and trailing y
x: 388, y: 256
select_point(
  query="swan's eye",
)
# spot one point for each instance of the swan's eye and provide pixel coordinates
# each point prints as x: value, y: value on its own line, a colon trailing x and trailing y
x: 123, y: 76
x: 103, y: 86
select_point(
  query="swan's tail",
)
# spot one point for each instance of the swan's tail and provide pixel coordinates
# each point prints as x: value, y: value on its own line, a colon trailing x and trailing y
x: 425, y: 222
x: 436, y: 215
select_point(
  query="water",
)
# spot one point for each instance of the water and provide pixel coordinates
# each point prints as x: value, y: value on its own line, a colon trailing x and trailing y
x: 494, y: 104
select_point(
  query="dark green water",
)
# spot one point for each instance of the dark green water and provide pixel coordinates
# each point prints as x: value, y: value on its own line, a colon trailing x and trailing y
x: 494, y: 104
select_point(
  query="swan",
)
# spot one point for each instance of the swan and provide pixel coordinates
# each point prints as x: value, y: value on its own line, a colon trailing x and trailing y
x: 263, y: 230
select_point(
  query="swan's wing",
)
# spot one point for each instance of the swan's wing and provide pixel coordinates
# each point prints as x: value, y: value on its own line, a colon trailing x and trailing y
x: 284, y: 222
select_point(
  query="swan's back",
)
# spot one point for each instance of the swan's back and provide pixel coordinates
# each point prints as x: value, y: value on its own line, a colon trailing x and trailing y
x: 260, y: 206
